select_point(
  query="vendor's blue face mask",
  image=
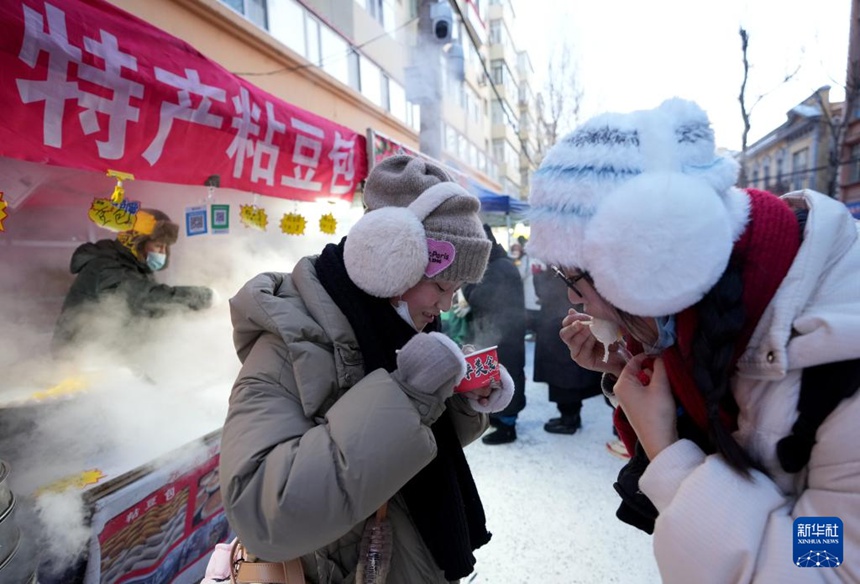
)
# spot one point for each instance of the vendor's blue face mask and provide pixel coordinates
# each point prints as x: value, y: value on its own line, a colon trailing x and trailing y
x: 155, y: 261
x: 665, y: 335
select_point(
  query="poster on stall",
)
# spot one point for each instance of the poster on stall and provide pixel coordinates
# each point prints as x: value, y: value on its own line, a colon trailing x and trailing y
x: 160, y: 528
x: 84, y: 84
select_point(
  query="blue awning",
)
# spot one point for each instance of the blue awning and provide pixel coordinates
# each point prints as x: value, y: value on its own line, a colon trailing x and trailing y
x: 493, y: 203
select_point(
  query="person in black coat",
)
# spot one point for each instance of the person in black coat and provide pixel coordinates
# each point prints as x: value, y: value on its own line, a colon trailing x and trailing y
x: 122, y: 269
x: 569, y: 383
x: 497, y: 316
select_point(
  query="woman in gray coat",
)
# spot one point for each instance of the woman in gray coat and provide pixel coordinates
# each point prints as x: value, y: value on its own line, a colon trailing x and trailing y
x: 344, y: 410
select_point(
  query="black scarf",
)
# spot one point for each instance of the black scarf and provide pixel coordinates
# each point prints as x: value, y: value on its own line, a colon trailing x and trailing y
x: 442, y: 498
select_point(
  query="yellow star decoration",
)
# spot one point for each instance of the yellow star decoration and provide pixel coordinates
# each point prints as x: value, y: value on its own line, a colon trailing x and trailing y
x: 293, y: 224
x: 79, y: 481
x: 253, y: 216
x: 3, y: 213
x: 328, y: 224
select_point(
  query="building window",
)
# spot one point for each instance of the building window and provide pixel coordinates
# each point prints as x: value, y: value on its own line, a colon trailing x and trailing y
x: 451, y: 141
x: 498, y: 72
x: 499, y: 151
x: 854, y: 164
x: 334, y: 51
x: 385, y: 88
x: 287, y: 24
x: 799, y: 161
x: 766, y: 176
x: 313, y: 31
x: 371, y: 82
x: 498, y: 116
x: 253, y: 10
x: 382, y: 11
x: 353, y: 64
x: 397, y: 101
x: 495, y: 32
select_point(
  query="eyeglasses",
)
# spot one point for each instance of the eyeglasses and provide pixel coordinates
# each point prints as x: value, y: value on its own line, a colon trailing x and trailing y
x: 571, y: 282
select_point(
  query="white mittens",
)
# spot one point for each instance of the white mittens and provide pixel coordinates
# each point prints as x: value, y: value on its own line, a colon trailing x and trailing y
x: 498, y: 399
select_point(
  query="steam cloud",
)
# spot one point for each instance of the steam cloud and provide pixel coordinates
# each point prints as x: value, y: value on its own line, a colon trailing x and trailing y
x: 157, y: 386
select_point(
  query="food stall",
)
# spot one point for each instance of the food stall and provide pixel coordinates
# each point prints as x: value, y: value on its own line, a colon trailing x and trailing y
x: 110, y: 461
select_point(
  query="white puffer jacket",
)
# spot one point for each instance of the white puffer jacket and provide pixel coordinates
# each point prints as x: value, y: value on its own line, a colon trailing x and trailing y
x: 716, y: 527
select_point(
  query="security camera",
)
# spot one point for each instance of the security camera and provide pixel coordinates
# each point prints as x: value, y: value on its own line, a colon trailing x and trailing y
x: 441, y: 21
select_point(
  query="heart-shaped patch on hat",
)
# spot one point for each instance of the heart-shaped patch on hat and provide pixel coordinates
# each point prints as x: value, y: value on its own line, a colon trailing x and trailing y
x: 440, y: 256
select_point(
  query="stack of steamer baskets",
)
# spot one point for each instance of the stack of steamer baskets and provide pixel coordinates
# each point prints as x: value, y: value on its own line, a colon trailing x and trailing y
x: 17, y: 562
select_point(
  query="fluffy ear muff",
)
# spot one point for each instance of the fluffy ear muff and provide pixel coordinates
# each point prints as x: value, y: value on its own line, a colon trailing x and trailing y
x: 658, y: 243
x: 386, y: 252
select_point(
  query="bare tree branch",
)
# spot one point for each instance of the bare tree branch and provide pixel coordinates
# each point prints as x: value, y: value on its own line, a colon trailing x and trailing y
x: 745, y: 115
x: 746, y: 110
x: 558, y: 106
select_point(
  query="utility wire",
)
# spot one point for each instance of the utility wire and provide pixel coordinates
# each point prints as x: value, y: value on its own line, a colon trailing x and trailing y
x: 523, y: 148
x: 328, y: 58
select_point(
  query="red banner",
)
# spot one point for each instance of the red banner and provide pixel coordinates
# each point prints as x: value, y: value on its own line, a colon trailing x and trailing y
x: 86, y: 85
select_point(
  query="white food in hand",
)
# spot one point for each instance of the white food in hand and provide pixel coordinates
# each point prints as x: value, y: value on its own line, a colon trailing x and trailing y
x: 605, y: 331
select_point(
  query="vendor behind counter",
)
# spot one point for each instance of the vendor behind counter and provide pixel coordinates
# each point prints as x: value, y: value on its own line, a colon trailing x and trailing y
x: 117, y: 276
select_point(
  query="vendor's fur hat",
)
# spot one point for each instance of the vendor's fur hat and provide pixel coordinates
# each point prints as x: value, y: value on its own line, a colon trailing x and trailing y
x: 419, y: 224
x: 149, y: 225
x: 643, y: 203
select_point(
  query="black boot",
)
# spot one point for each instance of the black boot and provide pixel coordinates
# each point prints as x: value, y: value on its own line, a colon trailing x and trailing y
x: 563, y: 425
x: 503, y: 434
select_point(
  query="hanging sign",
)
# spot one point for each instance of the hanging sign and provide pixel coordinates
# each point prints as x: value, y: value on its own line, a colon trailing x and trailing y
x: 84, y: 84
x: 253, y: 217
x: 220, y: 218
x: 328, y: 224
x: 109, y: 216
x: 195, y: 221
x: 293, y: 224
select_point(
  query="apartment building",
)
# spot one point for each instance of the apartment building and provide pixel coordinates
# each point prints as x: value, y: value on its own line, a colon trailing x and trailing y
x: 849, y: 179
x: 796, y: 154
x: 356, y: 62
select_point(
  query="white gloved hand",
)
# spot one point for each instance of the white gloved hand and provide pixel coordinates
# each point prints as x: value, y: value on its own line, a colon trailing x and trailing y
x: 497, y: 400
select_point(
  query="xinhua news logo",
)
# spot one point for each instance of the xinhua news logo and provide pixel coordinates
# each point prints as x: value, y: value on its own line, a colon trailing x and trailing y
x: 818, y: 542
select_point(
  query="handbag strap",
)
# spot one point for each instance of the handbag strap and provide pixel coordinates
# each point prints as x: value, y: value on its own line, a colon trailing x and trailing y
x: 247, y: 572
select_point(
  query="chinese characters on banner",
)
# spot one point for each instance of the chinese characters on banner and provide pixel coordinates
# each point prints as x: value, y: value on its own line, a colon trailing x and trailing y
x: 86, y: 85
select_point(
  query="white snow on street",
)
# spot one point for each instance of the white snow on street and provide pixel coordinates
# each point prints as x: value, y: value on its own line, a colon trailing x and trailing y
x: 550, y: 504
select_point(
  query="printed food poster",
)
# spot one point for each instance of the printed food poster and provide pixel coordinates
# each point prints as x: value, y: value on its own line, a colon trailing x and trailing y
x: 166, y: 532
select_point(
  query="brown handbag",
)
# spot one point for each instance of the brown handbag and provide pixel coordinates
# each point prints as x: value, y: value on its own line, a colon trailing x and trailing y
x: 246, y: 571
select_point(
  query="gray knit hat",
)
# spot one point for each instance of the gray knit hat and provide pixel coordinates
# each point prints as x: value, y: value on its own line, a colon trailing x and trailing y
x: 419, y: 224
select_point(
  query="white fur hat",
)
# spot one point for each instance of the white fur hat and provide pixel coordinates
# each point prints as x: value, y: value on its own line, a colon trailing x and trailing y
x: 642, y: 202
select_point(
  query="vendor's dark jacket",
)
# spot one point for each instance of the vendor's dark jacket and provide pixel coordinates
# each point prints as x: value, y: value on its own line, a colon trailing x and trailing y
x: 108, y: 269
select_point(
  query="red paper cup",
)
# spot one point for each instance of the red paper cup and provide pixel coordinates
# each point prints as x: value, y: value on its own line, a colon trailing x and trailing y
x: 481, y: 367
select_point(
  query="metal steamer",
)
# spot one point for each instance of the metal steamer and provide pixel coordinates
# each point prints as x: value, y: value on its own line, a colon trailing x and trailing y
x: 16, y: 562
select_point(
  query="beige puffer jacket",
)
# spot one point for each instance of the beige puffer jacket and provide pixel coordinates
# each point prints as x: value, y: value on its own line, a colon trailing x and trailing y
x: 304, y: 462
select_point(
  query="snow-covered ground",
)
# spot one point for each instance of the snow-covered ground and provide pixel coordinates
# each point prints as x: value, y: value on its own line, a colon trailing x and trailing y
x: 550, y: 504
